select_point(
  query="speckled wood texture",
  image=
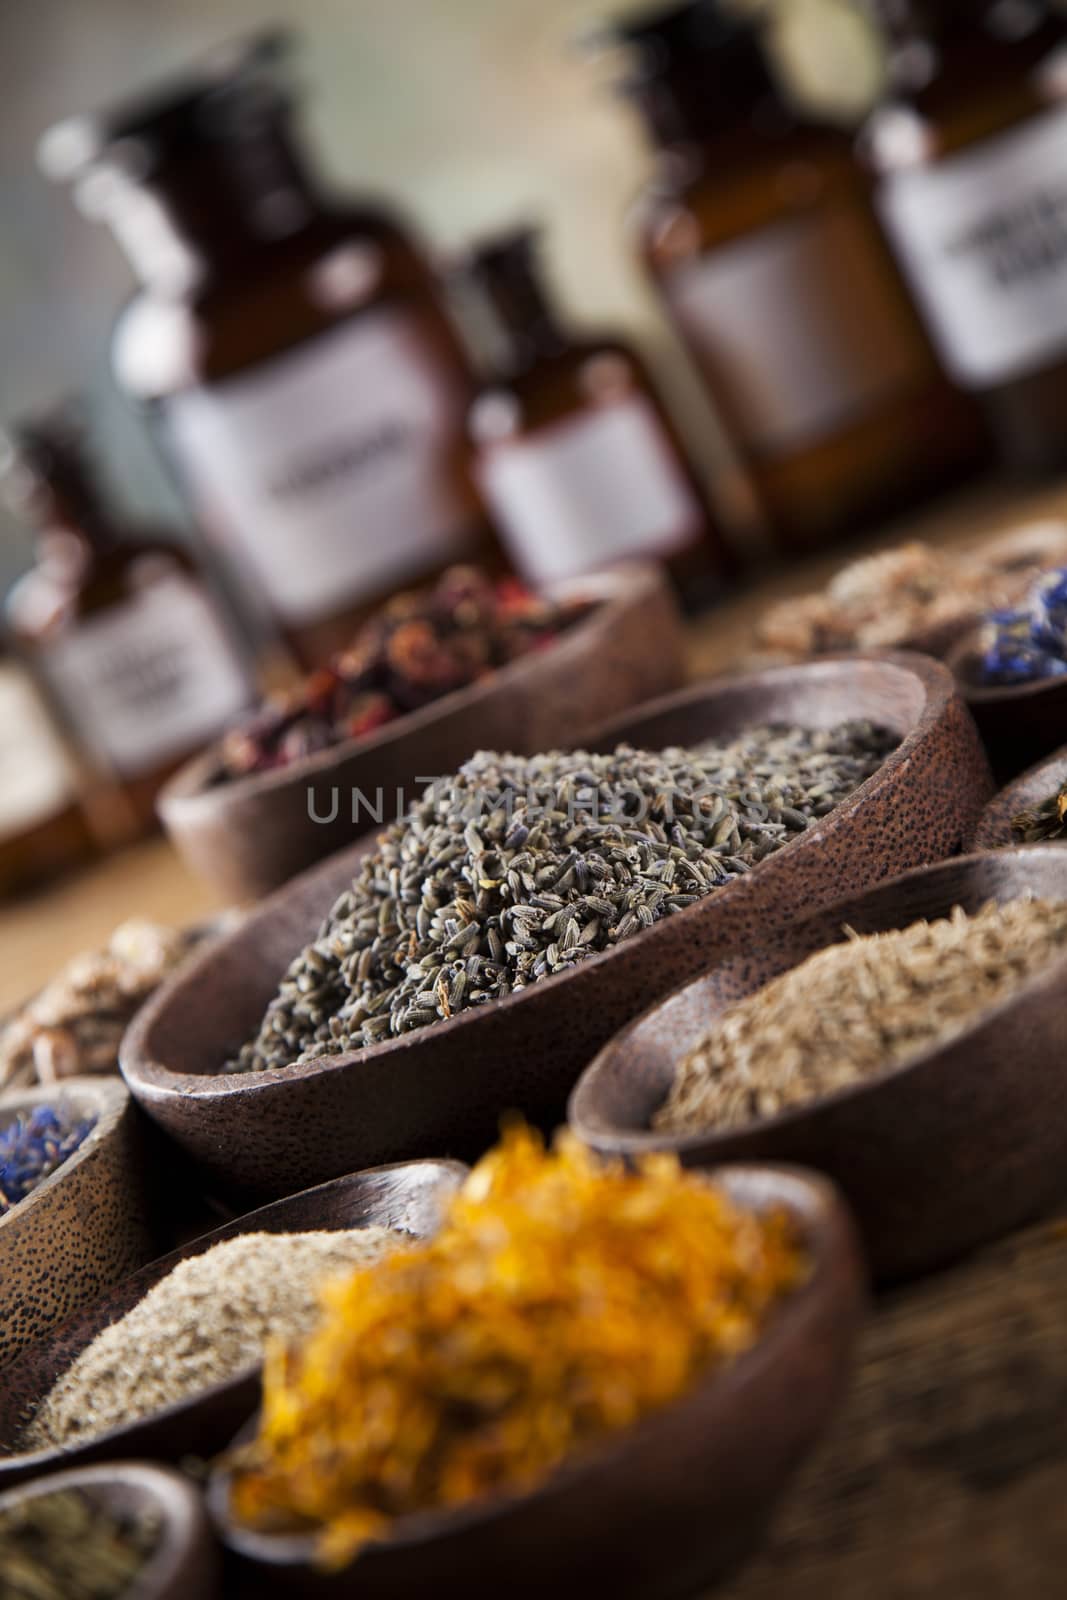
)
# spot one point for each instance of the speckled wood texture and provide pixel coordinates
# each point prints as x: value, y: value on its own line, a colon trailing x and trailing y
x: 85, y: 1226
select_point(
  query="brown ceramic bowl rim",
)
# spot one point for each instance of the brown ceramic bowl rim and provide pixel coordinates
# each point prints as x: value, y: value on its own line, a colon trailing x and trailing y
x: 236, y: 1228
x: 199, y: 784
x: 960, y: 659
x: 105, y: 1098
x: 933, y: 679
x: 177, y: 1499
x: 585, y: 1120
x: 811, y: 1198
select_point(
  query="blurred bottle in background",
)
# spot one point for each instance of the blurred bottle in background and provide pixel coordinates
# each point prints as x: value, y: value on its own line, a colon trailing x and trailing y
x: 760, y: 234
x: 43, y: 827
x: 295, y: 353
x: 573, y: 452
x: 122, y: 628
x: 971, y: 148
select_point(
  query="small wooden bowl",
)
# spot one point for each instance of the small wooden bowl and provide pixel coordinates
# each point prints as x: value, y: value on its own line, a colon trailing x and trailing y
x: 185, y: 1564
x: 667, y: 1507
x: 249, y: 835
x: 445, y: 1087
x: 1020, y: 723
x: 82, y: 1228
x: 407, y: 1197
x: 959, y: 1145
x: 994, y: 825
x: 1027, y: 548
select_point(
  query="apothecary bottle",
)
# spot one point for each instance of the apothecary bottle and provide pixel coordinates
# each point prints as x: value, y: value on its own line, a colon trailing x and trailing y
x: 305, y: 378
x: 760, y: 233
x: 120, y: 625
x: 971, y: 151
x: 44, y: 829
x: 573, y: 453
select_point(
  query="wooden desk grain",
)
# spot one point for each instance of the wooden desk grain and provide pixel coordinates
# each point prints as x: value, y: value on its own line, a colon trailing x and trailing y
x: 945, y: 1473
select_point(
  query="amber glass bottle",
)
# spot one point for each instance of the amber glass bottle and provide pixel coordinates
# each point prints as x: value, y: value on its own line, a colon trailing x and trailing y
x: 121, y: 626
x: 761, y: 236
x: 970, y: 149
x: 43, y: 828
x: 572, y: 451
x: 307, y: 382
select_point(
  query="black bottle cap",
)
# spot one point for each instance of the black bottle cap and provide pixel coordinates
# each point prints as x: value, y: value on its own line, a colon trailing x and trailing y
x: 516, y: 249
x: 512, y: 311
x: 700, y: 36
x: 1003, y: 19
x: 45, y: 460
x: 46, y: 438
x: 231, y: 90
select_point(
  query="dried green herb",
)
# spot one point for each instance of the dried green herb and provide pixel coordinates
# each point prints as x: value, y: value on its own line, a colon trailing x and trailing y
x: 71, y: 1546
x: 1043, y: 824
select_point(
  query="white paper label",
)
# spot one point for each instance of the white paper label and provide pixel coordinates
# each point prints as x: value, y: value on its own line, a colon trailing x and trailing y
x: 983, y: 238
x: 36, y: 779
x: 326, y: 469
x: 797, y: 327
x: 150, y: 680
x: 589, y: 491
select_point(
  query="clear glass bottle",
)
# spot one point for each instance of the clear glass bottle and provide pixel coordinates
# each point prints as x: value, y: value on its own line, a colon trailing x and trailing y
x: 43, y: 827
x: 760, y: 234
x: 120, y: 625
x: 295, y: 352
x: 572, y: 450
x: 970, y: 152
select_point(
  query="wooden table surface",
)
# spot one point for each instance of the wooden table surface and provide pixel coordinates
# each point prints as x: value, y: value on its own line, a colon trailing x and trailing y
x: 945, y: 1473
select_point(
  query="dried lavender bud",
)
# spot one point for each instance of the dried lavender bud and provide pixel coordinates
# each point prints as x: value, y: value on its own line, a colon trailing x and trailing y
x: 530, y: 865
x: 34, y: 1146
x: 1026, y: 645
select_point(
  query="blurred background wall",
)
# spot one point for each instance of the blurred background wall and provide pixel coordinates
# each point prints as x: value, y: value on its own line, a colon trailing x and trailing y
x: 471, y: 113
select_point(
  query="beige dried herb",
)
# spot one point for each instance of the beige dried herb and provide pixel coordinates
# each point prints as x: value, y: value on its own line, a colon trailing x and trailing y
x: 206, y: 1321
x: 857, y: 1009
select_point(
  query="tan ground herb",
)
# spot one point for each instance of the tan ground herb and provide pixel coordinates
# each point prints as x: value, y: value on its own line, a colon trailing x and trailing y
x: 857, y: 1009
x: 204, y: 1322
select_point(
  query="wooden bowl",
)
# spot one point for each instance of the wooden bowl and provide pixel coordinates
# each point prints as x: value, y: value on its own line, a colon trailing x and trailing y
x: 82, y: 1228
x: 663, y: 1509
x: 1020, y: 723
x: 957, y: 1146
x: 186, y: 1563
x: 445, y: 1087
x: 994, y: 825
x: 407, y: 1197
x: 249, y: 835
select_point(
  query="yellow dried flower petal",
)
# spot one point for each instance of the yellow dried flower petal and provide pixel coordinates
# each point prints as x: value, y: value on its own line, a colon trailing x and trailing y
x: 563, y: 1299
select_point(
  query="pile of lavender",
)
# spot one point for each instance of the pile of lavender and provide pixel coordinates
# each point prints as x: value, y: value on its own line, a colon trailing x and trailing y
x: 520, y: 867
x: 1030, y: 643
x: 33, y: 1146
